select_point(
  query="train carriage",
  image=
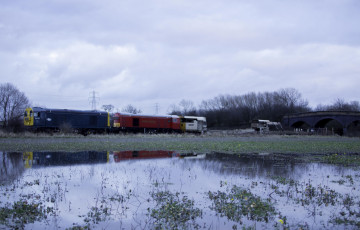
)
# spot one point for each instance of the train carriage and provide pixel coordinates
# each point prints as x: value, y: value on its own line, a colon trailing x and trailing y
x: 145, y: 123
x: 42, y: 119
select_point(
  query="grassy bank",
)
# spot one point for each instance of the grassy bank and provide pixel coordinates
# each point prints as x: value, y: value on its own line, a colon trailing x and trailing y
x: 205, y: 143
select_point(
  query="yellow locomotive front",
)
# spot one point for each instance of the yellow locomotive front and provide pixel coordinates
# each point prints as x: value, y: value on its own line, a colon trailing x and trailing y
x: 29, y: 117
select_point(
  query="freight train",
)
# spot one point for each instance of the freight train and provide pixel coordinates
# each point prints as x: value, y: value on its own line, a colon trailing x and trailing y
x: 86, y: 122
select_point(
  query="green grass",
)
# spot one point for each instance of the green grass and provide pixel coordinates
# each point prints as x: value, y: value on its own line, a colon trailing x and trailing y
x: 277, y: 144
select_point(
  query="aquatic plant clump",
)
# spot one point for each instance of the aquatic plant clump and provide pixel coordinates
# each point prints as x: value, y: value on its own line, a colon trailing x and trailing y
x: 349, y: 215
x: 97, y: 215
x: 173, y: 211
x: 239, y: 203
x: 345, y: 211
x: 20, y: 213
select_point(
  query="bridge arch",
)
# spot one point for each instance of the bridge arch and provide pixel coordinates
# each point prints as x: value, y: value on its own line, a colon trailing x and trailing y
x: 353, y: 129
x: 329, y: 123
x: 325, y: 121
x: 301, y: 125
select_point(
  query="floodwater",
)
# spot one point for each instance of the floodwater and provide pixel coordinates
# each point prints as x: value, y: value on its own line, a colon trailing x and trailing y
x: 165, y: 190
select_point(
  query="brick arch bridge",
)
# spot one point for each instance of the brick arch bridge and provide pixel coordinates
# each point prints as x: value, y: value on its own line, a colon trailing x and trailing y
x: 343, y: 120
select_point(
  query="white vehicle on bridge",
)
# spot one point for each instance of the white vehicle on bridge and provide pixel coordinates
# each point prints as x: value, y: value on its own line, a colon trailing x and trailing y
x: 260, y: 125
x: 265, y: 125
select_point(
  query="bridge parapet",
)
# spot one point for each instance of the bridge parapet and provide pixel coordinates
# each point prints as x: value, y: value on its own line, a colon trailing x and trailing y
x: 324, y: 113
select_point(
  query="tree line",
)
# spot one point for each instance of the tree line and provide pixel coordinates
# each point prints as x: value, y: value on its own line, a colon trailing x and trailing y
x: 223, y: 111
x: 237, y: 111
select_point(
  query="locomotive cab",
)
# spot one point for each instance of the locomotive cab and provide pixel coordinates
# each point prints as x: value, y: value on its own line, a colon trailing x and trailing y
x: 28, y: 117
x: 34, y: 117
x: 193, y: 124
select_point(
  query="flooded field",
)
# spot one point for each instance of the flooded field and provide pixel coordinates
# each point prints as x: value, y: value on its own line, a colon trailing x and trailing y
x: 171, y: 190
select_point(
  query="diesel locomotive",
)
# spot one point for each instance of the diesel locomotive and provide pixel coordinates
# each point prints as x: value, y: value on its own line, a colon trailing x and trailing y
x: 85, y: 122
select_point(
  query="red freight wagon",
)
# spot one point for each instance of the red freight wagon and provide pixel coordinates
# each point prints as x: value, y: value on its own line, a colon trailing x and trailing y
x: 145, y: 123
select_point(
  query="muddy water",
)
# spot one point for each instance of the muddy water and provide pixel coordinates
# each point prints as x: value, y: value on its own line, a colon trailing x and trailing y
x: 165, y: 189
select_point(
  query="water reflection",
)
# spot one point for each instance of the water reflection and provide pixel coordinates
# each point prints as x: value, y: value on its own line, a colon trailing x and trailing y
x: 12, y: 165
x: 39, y: 159
x: 125, y: 188
x: 253, y: 165
x: 250, y: 165
x: 133, y: 155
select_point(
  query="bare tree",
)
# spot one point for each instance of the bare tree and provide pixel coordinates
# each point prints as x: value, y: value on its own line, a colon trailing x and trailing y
x: 321, y: 107
x: 355, y: 105
x: 340, y: 105
x: 108, y: 108
x: 188, y: 107
x: 12, y: 103
x: 174, y: 110
x: 131, y: 109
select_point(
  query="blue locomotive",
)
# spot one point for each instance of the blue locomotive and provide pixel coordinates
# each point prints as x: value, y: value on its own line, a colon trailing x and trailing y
x: 85, y: 122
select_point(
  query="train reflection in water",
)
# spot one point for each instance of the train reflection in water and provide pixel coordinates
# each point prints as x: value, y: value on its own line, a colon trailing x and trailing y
x: 132, y: 155
x: 38, y: 159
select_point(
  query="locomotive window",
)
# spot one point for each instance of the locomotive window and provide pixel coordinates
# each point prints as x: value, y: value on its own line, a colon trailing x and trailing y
x: 25, y: 114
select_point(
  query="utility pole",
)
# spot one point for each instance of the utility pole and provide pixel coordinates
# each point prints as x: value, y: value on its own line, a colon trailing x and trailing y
x: 93, y: 99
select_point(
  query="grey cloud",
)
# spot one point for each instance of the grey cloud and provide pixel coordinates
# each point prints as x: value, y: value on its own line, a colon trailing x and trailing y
x: 143, y: 52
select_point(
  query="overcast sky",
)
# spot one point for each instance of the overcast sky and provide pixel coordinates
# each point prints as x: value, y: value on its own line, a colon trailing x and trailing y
x: 159, y: 51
